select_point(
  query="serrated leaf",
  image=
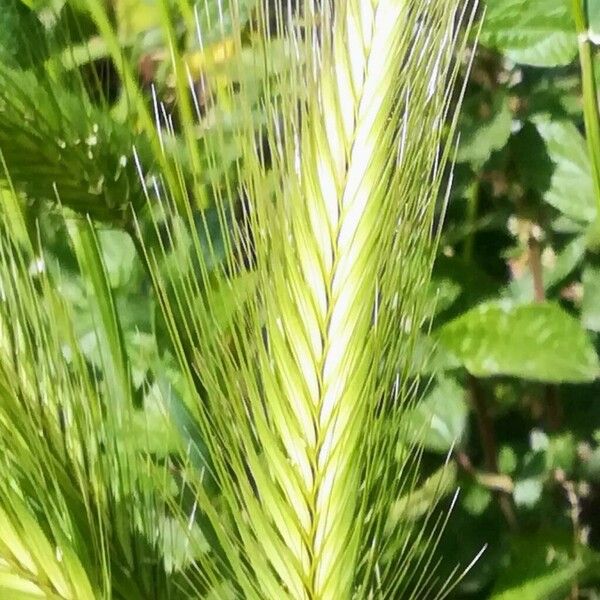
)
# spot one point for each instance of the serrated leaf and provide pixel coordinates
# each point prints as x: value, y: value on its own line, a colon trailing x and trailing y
x: 531, y: 32
x: 571, y: 188
x: 540, y: 342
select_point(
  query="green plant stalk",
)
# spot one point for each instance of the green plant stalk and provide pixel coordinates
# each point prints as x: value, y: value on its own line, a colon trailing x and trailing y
x: 591, y: 113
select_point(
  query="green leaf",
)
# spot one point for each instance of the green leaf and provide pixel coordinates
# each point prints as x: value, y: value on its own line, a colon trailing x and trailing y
x: 441, y: 418
x: 152, y: 429
x: 537, y: 341
x: 215, y: 19
x: 108, y: 332
x: 532, y: 163
x: 228, y: 298
x: 182, y: 545
x: 453, y: 273
x: 561, y: 453
x: 188, y: 429
x: 528, y: 491
x: 571, y: 188
x: 507, y: 460
x: 22, y: 41
x: 475, y: 498
x: 118, y: 254
x: 531, y: 32
x: 480, y: 138
x: 443, y: 292
x: 418, y: 502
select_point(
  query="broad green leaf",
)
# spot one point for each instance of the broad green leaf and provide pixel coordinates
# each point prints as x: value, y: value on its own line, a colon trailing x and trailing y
x: 188, y: 430
x: 562, y: 224
x: 571, y: 188
x: 215, y: 18
x: 534, y: 341
x: 480, y: 137
x: 441, y: 418
x: 561, y: 452
x: 429, y: 358
x: 559, y: 96
x: 136, y: 16
x: 507, y: 460
x: 229, y: 298
x: 182, y: 545
x: 531, y: 32
x: 532, y: 472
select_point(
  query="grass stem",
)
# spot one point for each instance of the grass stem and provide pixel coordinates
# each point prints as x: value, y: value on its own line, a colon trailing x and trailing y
x: 591, y: 114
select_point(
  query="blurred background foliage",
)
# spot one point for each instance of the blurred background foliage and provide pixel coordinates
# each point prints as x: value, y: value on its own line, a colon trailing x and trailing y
x: 511, y: 355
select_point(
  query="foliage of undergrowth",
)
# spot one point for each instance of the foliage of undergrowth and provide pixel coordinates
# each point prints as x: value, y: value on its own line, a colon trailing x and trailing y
x: 518, y: 307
